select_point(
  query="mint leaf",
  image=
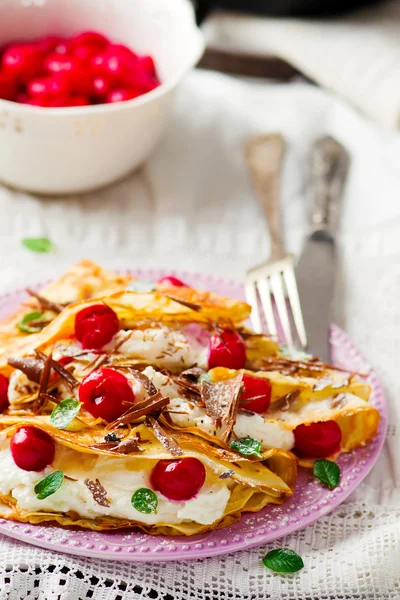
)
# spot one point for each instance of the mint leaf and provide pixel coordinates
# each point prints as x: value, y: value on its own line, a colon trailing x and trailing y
x: 141, y: 286
x: 145, y: 501
x: 247, y: 446
x: 283, y: 560
x: 65, y: 412
x: 38, y: 244
x: 327, y: 471
x: 24, y: 324
x: 204, y: 377
x: 49, y: 485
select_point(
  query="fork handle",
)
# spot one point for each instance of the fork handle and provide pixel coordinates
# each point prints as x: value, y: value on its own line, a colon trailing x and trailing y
x: 264, y: 158
x: 329, y: 167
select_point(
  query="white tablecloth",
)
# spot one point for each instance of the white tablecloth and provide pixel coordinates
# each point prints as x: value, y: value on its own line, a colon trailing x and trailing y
x: 191, y: 207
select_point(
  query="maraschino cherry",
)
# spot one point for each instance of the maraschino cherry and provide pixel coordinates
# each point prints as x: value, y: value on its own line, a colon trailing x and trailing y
x: 227, y: 349
x: 32, y: 448
x: 95, y: 326
x: 106, y: 393
x: 179, y: 479
x: 170, y: 280
x: 317, y: 440
x: 256, y: 396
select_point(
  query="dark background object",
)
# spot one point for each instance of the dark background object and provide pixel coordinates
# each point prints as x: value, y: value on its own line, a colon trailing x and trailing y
x: 282, y: 7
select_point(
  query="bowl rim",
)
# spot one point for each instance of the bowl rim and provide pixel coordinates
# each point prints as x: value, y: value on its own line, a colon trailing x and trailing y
x: 199, y: 45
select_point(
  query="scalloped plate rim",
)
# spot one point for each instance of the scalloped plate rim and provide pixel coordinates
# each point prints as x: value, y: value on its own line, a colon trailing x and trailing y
x: 163, y: 548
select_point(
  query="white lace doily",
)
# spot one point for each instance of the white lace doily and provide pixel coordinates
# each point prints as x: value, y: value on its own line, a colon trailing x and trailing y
x: 191, y: 208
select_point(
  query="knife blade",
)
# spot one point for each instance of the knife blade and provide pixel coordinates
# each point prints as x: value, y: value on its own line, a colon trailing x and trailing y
x: 316, y: 268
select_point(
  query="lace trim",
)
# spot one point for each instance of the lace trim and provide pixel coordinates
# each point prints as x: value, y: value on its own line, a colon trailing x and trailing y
x: 327, y: 548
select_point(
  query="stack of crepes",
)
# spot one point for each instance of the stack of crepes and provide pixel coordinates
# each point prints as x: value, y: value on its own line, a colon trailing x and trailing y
x: 150, y: 404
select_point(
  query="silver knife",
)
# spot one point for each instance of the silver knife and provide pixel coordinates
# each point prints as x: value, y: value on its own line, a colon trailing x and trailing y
x: 315, y: 270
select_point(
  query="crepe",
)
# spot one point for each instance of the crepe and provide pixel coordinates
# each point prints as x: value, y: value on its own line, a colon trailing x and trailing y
x: 164, y: 408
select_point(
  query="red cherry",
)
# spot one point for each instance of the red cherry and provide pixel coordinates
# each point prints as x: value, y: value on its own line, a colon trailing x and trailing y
x: 90, y: 37
x: 70, y: 68
x: 8, y: 85
x: 37, y: 102
x: 146, y: 65
x: 66, y: 360
x: 23, y: 61
x: 123, y: 51
x: 101, y: 87
x: 318, y: 440
x: 52, y: 87
x: 32, y: 449
x: 227, y: 349
x: 142, y: 81
x: 121, y: 95
x: 179, y: 479
x: 96, y: 325
x: 78, y: 101
x: 22, y: 98
x: 256, y: 395
x: 170, y: 280
x: 84, y: 52
x: 104, y: 394
x: 3, y: 393
x: 51, y: 43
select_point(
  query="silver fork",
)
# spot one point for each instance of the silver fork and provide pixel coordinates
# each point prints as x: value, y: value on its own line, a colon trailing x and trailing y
x: 275, y: 278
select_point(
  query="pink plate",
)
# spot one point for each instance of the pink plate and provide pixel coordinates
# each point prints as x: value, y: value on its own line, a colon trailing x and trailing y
x: 310, y: 501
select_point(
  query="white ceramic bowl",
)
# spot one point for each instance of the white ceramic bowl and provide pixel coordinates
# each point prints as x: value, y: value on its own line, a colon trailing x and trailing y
x: 70, y: 150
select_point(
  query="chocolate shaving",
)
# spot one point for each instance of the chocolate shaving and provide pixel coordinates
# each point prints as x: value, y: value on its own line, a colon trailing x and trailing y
x: 43, y: 384
x: 62, y: 371
x: 165, y: 438
x: 192, y: 374
x: 145, y: 381
x: 191, y: 305
x: 339, y: 401
x: 127, y: 446
x: 31, y: 367
x: 104, y: 445
x: 152, y: 405
x: 221, y: 399
x: 44, y: 303
x: 284, y: 403
x: 98, y: 492
x: 187, y: 385
x: 70, y: 478
x: 227, y: 474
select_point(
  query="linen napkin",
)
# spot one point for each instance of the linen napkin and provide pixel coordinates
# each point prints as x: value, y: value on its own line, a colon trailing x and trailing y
x: 356, y: 55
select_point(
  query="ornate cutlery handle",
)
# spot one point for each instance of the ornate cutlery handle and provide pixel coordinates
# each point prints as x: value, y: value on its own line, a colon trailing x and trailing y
x: 330, y: 162
x: 264, y: 157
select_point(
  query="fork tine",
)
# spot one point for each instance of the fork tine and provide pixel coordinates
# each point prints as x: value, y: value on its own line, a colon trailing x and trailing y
x: 251, y: 298
x: 280, y: 301
x: 265, y: 296
x: 294, y: 300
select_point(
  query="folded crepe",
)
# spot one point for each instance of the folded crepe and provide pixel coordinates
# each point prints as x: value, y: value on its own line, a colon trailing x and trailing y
x: 120, y: 412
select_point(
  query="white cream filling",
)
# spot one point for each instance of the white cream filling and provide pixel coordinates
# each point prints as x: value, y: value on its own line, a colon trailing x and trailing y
x: 163, y: 347
x: 119, y: 477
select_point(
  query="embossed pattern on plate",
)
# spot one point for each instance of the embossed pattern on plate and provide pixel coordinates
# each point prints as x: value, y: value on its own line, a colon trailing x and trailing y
x: 310, y: 501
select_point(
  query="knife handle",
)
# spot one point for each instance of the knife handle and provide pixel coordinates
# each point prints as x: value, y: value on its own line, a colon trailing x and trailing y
x: 264, y: 157
x: 329, y: 167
